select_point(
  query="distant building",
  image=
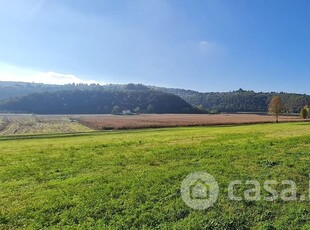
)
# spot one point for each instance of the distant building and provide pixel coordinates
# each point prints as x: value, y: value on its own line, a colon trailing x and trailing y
x: 126, y: 112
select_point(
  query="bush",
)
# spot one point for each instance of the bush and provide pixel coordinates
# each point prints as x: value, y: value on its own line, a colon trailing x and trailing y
x: 304, y: 113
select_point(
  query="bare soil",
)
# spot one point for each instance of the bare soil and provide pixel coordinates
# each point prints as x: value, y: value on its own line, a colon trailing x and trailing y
x: 31, y: 124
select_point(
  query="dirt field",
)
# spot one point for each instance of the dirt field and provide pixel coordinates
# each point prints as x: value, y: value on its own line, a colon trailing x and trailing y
x: 102, y: 122
x: 35, y: 124
x: 29, y: 124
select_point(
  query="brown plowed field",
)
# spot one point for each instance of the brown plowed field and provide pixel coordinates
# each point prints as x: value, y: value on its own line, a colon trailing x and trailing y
x: 32, y: 124
x: 102, y: 122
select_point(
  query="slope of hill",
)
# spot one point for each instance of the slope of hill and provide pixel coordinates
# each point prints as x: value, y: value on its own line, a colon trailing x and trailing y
x: 97, y: 102
x: 240, y: 100
x: 235, y: 101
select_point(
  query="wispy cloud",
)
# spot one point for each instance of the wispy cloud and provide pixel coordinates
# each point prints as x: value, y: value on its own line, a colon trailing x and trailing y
x: 203, y: 44
x: 13, y: 73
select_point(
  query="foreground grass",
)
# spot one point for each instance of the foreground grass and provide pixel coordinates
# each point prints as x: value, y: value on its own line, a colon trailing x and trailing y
x: 132, y: 179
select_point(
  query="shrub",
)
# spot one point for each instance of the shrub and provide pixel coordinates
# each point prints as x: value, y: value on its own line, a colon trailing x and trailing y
x: 304, y: 113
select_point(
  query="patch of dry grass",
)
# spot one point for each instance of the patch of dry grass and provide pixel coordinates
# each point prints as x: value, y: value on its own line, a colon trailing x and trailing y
x: 29, y: 124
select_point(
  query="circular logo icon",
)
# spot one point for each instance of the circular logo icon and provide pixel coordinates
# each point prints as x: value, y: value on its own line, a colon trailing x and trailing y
x: 199, y: 190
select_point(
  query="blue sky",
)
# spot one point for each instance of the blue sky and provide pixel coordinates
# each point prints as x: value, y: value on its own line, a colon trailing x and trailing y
x: 207, y: 45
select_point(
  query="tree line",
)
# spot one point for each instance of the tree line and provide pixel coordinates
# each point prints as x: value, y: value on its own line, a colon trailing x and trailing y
x: 98, y: 102
x: 212, y: 102
x: 240, y: 100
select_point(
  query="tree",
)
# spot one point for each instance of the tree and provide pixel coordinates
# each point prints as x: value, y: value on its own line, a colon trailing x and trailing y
x: 201, y: 109
x: 276, y: 107
x: 305, y: 112
x: 150, y: 108
x: 116, y: 110
x: 137, y: 110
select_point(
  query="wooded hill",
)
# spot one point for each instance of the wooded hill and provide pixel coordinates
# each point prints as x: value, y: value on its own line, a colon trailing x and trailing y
x: 97, y: 102
x: 95, y: 98
x: 240, y: 100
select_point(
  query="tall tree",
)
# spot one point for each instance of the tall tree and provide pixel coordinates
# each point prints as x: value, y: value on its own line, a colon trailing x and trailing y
x: 150, y: 108
x: 304, y: 113
x: 276, y: 107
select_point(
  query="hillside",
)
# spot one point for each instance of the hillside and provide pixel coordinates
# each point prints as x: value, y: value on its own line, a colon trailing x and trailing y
x: 97, y: 102
x: 213, y: 102
x: 240, y: 100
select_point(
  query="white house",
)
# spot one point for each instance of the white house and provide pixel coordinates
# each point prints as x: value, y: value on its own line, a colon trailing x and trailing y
x: 126, y: 112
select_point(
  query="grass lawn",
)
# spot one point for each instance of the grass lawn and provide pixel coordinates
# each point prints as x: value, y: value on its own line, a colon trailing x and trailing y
x: 132, y: 179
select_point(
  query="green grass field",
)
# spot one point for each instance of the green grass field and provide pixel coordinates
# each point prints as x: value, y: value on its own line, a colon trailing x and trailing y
x: 132, y: 179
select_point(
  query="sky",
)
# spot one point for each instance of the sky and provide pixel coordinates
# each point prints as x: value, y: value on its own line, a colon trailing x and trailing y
x: 203, y: 45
